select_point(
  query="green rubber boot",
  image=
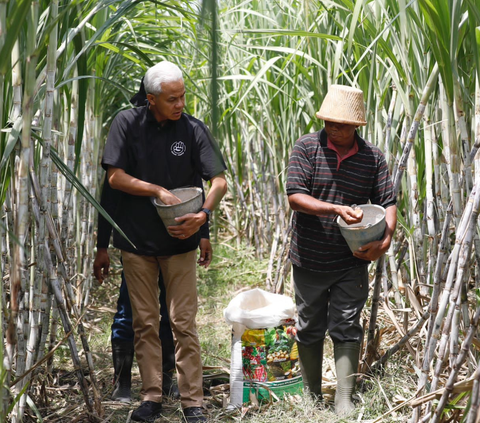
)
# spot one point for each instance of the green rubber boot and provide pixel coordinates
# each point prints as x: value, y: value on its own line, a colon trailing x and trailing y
x: 311, y: 358
x: 346, y: 363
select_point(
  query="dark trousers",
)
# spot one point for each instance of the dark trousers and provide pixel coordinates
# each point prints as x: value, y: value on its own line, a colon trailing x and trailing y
x: 330, y: 301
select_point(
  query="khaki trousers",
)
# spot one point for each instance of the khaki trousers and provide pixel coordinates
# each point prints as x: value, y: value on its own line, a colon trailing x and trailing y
x: 179, y: 275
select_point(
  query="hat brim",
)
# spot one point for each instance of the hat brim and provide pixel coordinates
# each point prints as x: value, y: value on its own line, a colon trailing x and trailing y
x: 337, y: 120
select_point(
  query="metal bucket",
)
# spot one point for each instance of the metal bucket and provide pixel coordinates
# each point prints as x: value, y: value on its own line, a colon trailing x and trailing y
x: 192, y: 202
x: 371, y: 228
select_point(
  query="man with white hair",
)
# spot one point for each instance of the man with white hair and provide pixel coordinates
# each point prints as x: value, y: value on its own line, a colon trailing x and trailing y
x: 329, y: 171
x: 151, y: 150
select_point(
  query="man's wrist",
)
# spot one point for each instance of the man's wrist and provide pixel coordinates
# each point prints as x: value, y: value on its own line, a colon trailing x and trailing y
x: 207, y: 212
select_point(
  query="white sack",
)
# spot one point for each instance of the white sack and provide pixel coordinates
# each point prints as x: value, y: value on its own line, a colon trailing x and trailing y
x: 257, y: 309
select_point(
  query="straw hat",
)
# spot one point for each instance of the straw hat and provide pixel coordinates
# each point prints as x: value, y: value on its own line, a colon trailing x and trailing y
x: 343, y: 104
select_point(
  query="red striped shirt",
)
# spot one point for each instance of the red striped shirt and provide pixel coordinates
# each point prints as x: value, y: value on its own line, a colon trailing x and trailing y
x: 363, y: 177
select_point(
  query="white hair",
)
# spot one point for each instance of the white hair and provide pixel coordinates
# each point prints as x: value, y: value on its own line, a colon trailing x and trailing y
x: 162, y: 72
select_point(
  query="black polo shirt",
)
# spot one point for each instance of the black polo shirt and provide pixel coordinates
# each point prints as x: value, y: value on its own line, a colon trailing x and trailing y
x: 173, y: 155
x: 317, y: 243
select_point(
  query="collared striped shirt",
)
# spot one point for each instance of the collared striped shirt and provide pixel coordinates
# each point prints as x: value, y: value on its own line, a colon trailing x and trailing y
x: 317, y: 243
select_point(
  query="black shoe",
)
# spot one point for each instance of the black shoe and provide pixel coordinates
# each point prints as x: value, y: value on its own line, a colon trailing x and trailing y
x: 148, y: 411
x: 194, y: 414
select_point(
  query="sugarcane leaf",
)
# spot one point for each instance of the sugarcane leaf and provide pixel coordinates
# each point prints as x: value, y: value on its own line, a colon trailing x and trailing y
x: 353, y: 24
x: 12, y: 139
x: 35, y: 409
x: 125, y: 6
x: 117, y: 50
x: 258, y: 76
x: 70, y: 176
x: 16, y: 19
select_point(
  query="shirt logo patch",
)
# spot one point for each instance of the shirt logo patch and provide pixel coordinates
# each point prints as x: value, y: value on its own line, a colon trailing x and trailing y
x: 178, y: 148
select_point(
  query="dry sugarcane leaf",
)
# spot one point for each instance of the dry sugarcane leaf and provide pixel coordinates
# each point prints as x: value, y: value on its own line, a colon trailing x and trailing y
x: 398, y: 327
x: 414, y: 300
x: 459, y: 387
x: 372, y: 354
x: 476, y: 343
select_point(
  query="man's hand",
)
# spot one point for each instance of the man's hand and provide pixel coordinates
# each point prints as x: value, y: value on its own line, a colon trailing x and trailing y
x: 101, y: 265
x: 372, y: 251
x: 350, y: 215
x: 166, y: 197
x: 189, y: 224
x: 206, y: 253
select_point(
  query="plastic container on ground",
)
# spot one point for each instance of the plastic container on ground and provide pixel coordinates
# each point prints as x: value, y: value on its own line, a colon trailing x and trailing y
x: 371, y: 228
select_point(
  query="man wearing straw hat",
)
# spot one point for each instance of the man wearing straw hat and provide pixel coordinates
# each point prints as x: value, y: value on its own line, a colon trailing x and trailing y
x: 329, y: 171
x: 151, y: 150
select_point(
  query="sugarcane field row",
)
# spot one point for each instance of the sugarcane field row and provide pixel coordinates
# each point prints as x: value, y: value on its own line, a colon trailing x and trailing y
x: 255, y: 73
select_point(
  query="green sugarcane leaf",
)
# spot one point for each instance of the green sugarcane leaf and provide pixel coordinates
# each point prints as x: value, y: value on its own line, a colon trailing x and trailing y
x: 12, y: 139
x: 16, y: 19
x: 70, y: 176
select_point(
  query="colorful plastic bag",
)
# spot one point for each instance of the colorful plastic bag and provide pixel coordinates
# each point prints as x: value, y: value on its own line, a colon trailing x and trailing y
x: 264, y: 352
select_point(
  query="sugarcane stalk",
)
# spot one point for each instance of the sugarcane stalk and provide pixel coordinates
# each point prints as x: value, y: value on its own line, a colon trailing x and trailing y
x: 57, y: 291
x: 403, y: 341
x: 462, y: 133
x: 3, y: 30
x: 388, y: 126
x: 19, y: 276
x: 461, y: 230
x: 429, y: 171
x: 269, y: 281
x: 16, y: 82
x: 467, y: 342
x: 476, y: 146
x: 71, y: 297
x: 376, y: 298
x: 450, y: 152
x: 455, y: 299
x: 414, y: 128
x: 433, y: 308
x: 280, y: 275
x: 472, y: 416
x: 46, y: 172
x: 35, y: 302
x: 90, y: 160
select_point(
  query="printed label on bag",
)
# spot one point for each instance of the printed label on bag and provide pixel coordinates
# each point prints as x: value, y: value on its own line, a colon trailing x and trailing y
x: 270, y: 354
x: 270, y: 361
